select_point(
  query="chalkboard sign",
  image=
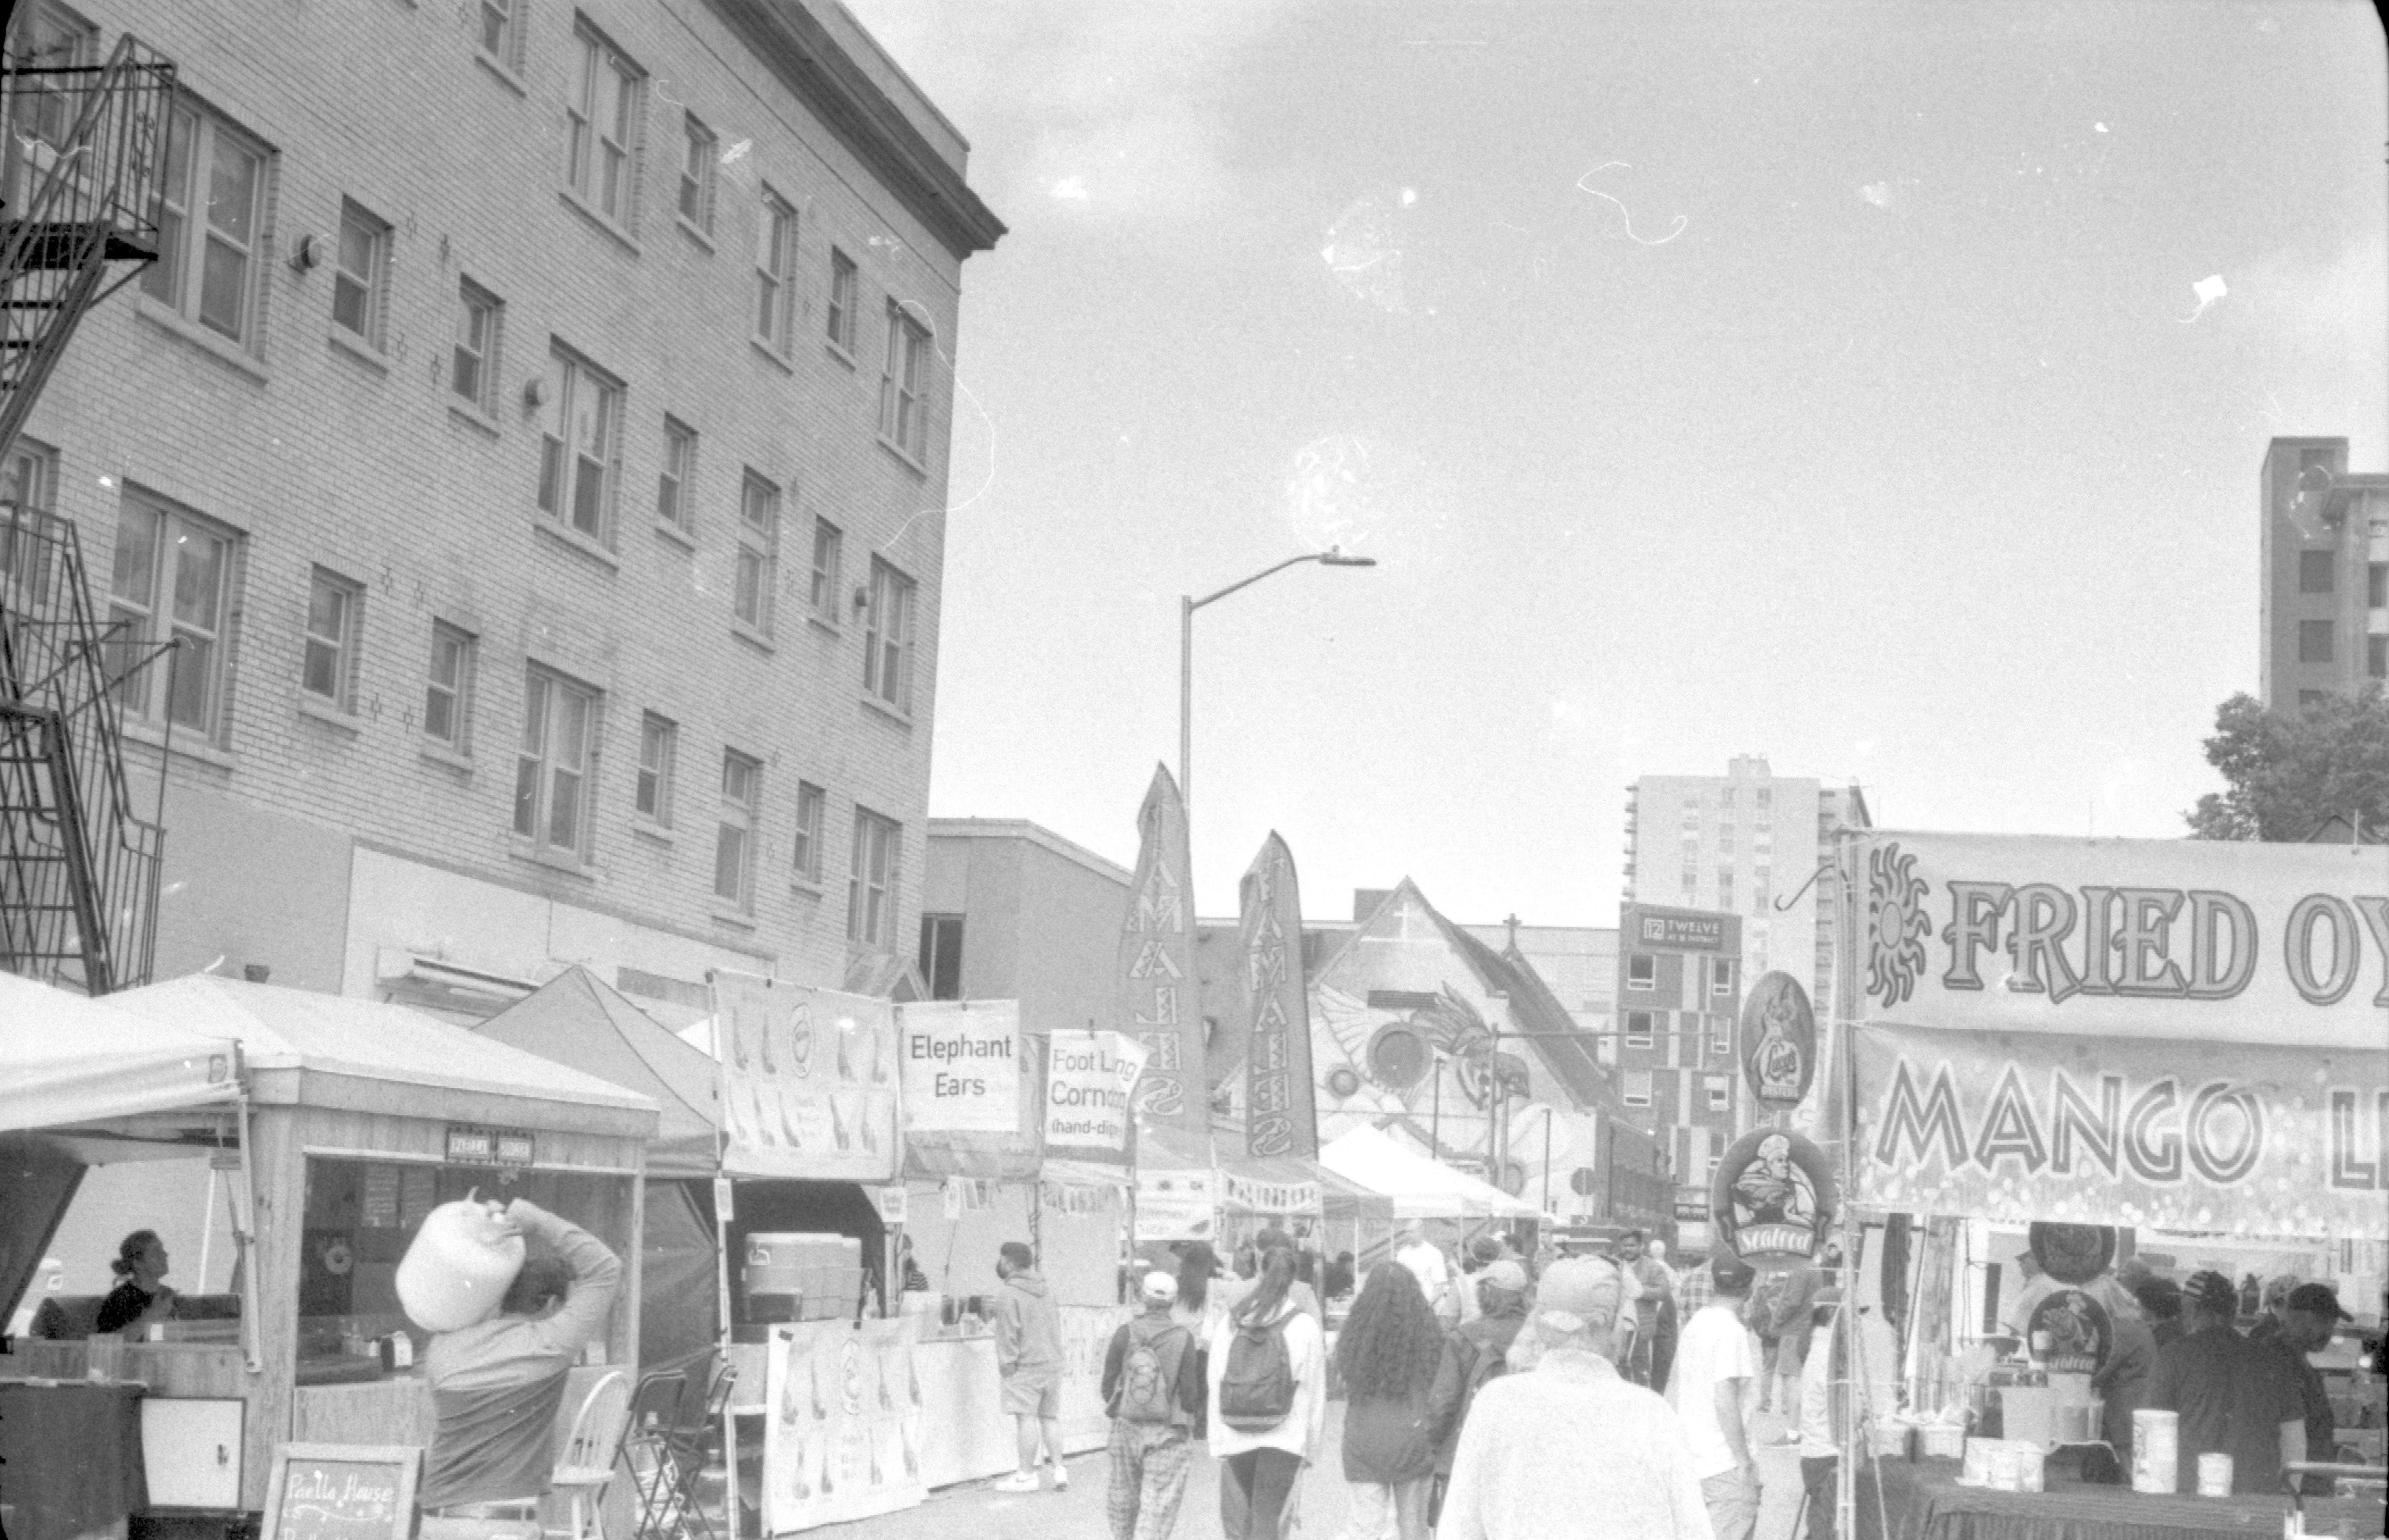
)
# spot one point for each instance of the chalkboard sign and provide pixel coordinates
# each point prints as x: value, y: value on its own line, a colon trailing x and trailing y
x: 341, y: 1492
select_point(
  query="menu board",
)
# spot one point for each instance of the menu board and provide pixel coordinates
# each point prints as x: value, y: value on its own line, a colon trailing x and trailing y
x: 341, y: 1492
x: 417, y: 1192
x: 843, y: 1441
x: 381, y: 1197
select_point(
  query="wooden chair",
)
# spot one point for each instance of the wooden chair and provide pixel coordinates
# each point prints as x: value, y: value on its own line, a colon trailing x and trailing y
x: 585, y: 1466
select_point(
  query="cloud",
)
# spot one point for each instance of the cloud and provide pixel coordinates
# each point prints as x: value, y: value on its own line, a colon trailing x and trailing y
x: 2320, y: 317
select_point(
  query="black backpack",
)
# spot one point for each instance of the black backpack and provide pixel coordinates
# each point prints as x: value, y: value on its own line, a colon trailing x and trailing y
x: 1147, y: 1391
x: 1257, y: 1385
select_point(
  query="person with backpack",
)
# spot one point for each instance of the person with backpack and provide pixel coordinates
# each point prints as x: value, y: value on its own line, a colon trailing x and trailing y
x: 1388, y: 1353
x: 1473, y: 1357
x: 1269, y: 1402
x: 1152, y: 1388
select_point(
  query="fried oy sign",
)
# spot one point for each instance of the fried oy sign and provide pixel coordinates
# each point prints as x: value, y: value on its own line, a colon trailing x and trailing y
x: 961, y: 1065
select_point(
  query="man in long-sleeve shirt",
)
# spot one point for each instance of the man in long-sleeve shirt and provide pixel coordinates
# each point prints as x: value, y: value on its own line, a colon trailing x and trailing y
x: 496, y: 1387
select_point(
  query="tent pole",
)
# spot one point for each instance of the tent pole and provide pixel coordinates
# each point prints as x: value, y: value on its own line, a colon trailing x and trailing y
x: 244, y: 1222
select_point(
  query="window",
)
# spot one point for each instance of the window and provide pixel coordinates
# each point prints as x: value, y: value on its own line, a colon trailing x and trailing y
x: 581, y: 444
x: 2314, y: 640
x: 1721, y: 976
x: 601, y: 129
x: 841, y: 301
x: 448, y: 689
x: 811, y: 801
x: 552, y: 771
x: 2376, y: 585
x: 758, y: 545
x: 673, y: 482
x: 740, y: 778
x: 2315, y: 569
x: 1765, y: 796
x: 329, y: 670
x: 1759, y: 880
x: 1638, y: 1029
x: 1720, y: 1098
x: 1636, y: 1088
x: 473, y: 371
x: 2376, y: 656
x: 1725, y: 839
x: 903, y: 383
x: 775, y: 244
x: 28, y: 490
x: 359, y: 274
x: 941, y: 955
x: 502, y: 32
x: 871, y: 888
x: 1719, y: 1043
x: 49, y: 38
x: 1642, y: 971
x: 172, y: 581
x: 697, y: 173
x: 887, y: 637
x: 828, y: 542
x: 1692, y: 882
x: 210, y: 220
x: 1725, y: 888
x: 658, y: 747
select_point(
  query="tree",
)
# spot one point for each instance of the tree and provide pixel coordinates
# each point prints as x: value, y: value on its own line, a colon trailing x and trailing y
x: 2288, y: 773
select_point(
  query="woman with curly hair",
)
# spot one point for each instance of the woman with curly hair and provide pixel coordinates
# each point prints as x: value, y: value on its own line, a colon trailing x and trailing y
x: 1388, y: 1355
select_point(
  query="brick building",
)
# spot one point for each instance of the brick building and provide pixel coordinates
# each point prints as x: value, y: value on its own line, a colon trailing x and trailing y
x: 2325, y: 594
x: 536, y: 436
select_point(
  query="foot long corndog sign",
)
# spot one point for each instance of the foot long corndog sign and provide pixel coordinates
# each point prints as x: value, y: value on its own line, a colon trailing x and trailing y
x: 2182, y: 1033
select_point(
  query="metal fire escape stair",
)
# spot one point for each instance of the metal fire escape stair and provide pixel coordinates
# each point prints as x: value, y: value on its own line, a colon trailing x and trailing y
x: 80, y: 217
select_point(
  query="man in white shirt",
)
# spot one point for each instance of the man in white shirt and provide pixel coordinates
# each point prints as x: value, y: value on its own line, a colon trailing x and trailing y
x: 1820, y: 1454
x: 1427, y: 1264
x: 1713, y: 1386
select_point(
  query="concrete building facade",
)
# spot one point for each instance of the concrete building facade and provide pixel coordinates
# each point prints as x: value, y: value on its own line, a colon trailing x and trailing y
x: 2325, y: 574
x: 538, y: 444
x: 1009, y: 910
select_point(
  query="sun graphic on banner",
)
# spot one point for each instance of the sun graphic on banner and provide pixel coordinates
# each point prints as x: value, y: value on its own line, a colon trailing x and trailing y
x: 1895, y: 923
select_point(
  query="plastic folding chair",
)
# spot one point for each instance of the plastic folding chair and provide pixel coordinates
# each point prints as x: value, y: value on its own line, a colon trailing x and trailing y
x: 586, y: 1465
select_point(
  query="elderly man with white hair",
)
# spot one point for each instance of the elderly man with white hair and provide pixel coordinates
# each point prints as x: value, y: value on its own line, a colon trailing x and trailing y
x: 1568, y: 1442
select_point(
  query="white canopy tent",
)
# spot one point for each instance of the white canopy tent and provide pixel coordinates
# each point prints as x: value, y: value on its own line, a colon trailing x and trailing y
x: 66, y: 1058
x: 1421, y: 1188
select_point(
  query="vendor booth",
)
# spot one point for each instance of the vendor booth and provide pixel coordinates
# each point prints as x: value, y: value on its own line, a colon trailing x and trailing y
x: 1417, y: 1187
x: 346, y: 1122
x: 2061, y: 1053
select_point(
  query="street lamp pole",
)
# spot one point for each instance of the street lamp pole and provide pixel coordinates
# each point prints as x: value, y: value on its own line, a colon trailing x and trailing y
x: 1187, y: 606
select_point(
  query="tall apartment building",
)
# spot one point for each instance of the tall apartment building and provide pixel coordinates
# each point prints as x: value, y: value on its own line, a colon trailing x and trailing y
x: 2325, y: 595
x: 1745, y: 843
x: 535, y: 437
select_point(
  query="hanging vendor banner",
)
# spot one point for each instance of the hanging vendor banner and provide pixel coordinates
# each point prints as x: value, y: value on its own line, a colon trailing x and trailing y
x: 1090, y: 1080
x: 2240, y: 1138
x: 961, y: 1063
x: 1177, y: 1203
x: 1282, y: 1116
x: 843, y: 1435
x: 808, y: 1081
x: 1158, y: 1005
x: 2205, y: 940
x: 1253, y: 1195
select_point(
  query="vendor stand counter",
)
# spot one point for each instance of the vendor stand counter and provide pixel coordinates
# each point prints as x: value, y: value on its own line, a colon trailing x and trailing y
x: 70, y: 1458
x: 1924, y: 1501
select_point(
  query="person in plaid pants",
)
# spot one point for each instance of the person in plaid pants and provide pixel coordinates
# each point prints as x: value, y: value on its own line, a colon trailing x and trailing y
x: 1152, y: 1384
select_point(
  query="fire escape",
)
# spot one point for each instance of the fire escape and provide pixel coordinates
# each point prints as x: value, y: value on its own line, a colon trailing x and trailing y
x: 80, y: 217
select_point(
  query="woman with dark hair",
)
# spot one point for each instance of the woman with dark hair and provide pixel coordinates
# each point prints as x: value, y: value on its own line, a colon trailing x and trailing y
x: 1388, y: 1353
x: 140, y: 1296
x: 1268, y: 1387
x: 1199, y: 1309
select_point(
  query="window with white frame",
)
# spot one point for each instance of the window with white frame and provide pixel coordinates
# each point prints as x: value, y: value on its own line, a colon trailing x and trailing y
x: 448, y: 687
x: 699, y: 155
x: 554, y: 766
x: 733, y: 846
x: 1721, y: 976
x: 602, y: 128
x: 1720, y: 1036
x: 811, y: 807
x: 1721, y: 1096
x: 887, y: 637
x: 1635, y: 1088
x: 335, y: 610
x: 674, y: 482
x: 360, y: 275
x: 1642, y: 971
x: 1639, y: 1028
x: 904, y: 383
x: 211, y: 233
x: 775, y: 249
x: 577, y: 458
x: 49, y: 38
x: 473, y: 364
x: 658, y: 763
x: 871, y: 885
x: 829, y: 543
x: 172, y: 581
x: 28, y: 490
x: 759, y: 546
x: 842, y: 283
x: 502, y: 32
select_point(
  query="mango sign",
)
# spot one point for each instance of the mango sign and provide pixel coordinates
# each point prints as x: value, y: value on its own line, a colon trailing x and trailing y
x: 1089, y: 1077
x: 961, y: 1063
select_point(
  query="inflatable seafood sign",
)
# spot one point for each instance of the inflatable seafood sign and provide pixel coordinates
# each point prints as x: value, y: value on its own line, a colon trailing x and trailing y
x: 2180, y: 1033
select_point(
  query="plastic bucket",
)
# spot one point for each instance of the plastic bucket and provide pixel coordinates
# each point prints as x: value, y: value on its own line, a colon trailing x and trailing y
x: 2214, y: 1475
x: 2156, y: 1450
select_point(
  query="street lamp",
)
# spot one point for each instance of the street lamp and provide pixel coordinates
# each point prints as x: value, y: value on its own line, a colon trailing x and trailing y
x: 1331, y: 556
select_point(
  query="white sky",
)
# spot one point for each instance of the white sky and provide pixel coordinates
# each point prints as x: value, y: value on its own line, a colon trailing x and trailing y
x: 1829, y: 381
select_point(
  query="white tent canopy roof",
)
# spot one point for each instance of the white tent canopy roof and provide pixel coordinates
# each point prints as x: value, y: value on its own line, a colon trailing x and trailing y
x: 67, y: 1059
x: 1421, y: 1187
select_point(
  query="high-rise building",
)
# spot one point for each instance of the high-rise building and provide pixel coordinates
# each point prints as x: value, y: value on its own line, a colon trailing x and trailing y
x: 2325, y: 593
x: 1744, y: 844
x: 533, y: 439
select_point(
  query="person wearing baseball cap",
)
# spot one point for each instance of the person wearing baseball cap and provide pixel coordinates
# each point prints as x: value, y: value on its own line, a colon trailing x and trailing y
x: 2233, y: 1397
x: 2310, y: 1317
x: 1474, y: 1354
x: 1152, y: 1384
x: 1714, y: 1387
x: 1569, y: 1444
